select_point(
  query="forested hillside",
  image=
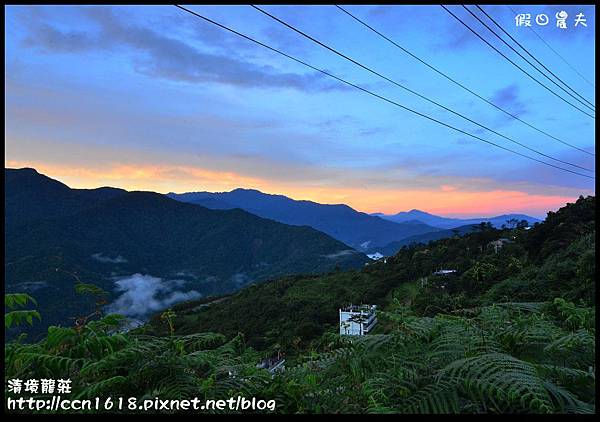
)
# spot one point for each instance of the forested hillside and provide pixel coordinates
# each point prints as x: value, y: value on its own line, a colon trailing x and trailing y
x: 354, y: 228
x: 554, y: 259
x: 513, y: 331
x: 56, y: 236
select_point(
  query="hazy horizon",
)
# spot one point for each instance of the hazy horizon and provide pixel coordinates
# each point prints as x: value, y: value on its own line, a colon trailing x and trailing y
x: 462, y: 216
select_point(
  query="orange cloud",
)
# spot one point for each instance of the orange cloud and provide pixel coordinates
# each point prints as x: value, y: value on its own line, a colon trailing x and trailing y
x: 445, y: 200
x: 448, y: 188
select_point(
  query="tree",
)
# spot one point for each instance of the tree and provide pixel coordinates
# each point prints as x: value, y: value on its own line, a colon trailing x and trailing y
x: 511, y: 223
x: 18, y: 317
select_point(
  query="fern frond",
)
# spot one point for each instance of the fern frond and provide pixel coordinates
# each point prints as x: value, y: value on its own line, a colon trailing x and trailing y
x: 439, y: 397
x: 503, y: 378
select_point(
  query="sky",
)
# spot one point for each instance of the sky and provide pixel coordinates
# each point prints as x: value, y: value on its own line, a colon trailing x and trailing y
x: 153, y: 98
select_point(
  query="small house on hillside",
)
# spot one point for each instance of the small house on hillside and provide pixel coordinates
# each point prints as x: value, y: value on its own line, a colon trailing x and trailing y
x: 443, y: 275
x: 498, y: 244
x: 375, y: 256
x: 357, y: 320
x: 444, y: 272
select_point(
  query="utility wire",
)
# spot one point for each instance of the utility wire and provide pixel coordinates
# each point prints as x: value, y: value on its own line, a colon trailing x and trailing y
x: 582, y: 101
x: 333, y: 50
x: 533, y: 57
x: 513, y: 63
x: 458, y: 83
x: 345, y: 82
x: 555, y: 52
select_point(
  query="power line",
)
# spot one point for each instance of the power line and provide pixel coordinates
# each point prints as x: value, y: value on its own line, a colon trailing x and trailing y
x: 582, y: 101
x: 555, y: 52
x: 333, y: 50
x: 513, y: 63
x: 345, y: 82
x: 458, y: 83
x: 532, y: 56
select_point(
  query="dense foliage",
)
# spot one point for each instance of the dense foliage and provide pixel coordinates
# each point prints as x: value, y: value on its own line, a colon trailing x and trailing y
x: 518, y: 357
x: 102, y: 362
x: 299, y: 309
x: 513, y: 331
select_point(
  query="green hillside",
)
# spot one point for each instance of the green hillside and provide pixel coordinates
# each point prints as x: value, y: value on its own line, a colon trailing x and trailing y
x: 513, y: 331
x: 303, y: 307
x: 103, y: 235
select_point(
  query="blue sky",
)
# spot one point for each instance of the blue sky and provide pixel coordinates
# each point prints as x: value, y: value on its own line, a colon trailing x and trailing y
x: 153, y: 98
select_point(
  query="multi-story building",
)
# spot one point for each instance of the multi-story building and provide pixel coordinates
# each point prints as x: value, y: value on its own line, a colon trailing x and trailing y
x: 357, y: 320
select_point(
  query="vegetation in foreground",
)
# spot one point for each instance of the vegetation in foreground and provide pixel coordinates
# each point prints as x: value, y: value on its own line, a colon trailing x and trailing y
x: 514, y: 332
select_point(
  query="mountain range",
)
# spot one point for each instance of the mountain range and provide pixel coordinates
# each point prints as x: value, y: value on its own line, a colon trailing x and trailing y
x: 150, y: 250
x: 357, y: 229
x: 369, y: 233
x: 393, y: 247
x: 55, y: 236
x: 449, y: 223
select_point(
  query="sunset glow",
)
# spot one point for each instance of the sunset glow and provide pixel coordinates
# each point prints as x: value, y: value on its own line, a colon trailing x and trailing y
x: 149, y: 99
x: 442, y: 201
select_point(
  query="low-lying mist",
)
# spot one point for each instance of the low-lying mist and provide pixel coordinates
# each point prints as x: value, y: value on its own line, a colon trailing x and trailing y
x: 142, y: 295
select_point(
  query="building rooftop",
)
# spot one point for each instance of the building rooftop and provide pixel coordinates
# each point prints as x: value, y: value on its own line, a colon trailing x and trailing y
x: 444, y: 272
x: 501, y: 240
x: 359, y: 308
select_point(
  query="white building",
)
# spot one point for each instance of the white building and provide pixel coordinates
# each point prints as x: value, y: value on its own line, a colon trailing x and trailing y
x: 444, y: 272
x: 357, y: 320
x: 375, y: 256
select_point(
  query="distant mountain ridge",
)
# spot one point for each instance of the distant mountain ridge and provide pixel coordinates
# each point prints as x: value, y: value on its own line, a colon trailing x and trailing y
x: 357, y: 229
x: 448, y: 223
x: 393, y: 247
x: 31, y: 196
